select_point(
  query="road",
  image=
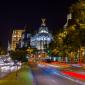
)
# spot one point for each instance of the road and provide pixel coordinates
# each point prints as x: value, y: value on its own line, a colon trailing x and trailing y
x: 7, y: 69
x: 49, y: 76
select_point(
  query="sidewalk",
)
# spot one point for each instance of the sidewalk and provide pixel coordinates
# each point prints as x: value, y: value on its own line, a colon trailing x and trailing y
x: 3, y: 74
x: 24, y: 77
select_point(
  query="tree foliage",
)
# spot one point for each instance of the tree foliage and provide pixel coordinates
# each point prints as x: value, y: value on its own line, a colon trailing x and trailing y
x: 19, y: 55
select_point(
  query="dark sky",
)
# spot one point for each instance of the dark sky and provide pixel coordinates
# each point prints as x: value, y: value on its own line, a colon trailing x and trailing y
x: 31, y: 12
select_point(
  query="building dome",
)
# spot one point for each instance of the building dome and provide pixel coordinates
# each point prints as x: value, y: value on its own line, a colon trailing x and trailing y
x: 43, y: 29
x: 42, y: 38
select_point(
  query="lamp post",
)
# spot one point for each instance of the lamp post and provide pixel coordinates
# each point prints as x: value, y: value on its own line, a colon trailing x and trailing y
x: 78, y: 56
x: 17, y: 69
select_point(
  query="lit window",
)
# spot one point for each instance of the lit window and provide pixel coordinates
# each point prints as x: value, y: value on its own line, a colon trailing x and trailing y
x: 14, y: 35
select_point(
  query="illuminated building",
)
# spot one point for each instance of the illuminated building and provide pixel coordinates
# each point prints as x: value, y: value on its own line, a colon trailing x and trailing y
x: 16, y: 36
x: 24, y: 41
x: 42, y: 39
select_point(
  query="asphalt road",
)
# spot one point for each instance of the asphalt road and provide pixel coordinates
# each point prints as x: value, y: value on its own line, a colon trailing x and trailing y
x: 49, y: 76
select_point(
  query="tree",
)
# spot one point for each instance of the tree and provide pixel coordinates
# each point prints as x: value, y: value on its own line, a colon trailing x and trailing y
x: 2, y: 49
x: 78, y: 11
x: 19, y: 55
x: 53, y: 46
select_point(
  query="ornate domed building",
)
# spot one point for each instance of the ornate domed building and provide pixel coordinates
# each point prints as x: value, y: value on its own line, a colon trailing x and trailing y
x: 42, y: 39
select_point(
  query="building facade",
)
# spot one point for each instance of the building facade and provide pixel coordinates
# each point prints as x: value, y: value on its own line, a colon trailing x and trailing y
x: 24, y: 41
x: 16, y: 36
x: 41, y: 39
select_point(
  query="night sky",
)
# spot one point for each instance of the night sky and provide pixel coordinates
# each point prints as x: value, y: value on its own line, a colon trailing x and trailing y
x: 20, y: 13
